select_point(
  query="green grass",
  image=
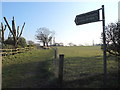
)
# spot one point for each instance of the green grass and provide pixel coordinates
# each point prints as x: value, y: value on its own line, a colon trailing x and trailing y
x: 83, y: 51
x: 83, y: 67
x: 27, y: 70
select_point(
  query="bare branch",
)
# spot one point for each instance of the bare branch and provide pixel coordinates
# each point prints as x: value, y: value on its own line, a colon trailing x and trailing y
x: 5, y: 27
x: 13, y: 27
x: 22, y: 30
x: 17, y: 31
x: 9, y: 26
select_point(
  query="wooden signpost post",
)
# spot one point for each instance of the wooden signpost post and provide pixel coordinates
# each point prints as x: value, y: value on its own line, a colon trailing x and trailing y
x: 90, y: 17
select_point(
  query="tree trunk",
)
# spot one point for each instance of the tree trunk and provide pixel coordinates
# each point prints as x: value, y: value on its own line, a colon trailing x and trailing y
x: 14, y: 31
x: 15, y: 42
x: 47, y: 44
x: 2, y: 36
x: 43, y: 43
x: 2, y: 33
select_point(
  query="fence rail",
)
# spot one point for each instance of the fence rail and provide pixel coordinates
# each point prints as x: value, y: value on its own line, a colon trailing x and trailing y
x: 5, y: 52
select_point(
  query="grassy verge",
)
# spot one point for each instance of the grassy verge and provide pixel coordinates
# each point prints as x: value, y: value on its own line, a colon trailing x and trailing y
x: 32, y: 69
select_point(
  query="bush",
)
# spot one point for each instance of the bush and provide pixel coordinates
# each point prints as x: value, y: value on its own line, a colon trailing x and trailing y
x: 112, y: 32
x: 22, y: 42
x: 7, y: 46
x: 10, y: 42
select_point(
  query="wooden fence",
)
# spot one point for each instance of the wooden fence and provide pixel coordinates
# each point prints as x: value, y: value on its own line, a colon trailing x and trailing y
x: 5, y: 52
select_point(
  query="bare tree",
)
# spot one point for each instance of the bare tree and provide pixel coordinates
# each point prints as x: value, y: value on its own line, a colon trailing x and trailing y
x: 2, y: 30
x: 44, y: 35
x: 113, y: 38
x: 71, y: 44
x: 15, y: 32
x: 30, y: 42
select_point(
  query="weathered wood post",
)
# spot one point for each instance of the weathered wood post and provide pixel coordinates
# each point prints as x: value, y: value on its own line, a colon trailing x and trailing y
x: 55, y: 57
x: 60, y: 73
x: 55, y: 61
x: 56, y: 52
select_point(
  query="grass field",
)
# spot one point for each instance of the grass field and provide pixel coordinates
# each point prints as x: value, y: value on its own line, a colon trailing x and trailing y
x: 83, y: 68
x: 27, y: 70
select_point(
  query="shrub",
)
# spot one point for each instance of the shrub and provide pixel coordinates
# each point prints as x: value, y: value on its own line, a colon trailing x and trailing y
x: 10, y: 42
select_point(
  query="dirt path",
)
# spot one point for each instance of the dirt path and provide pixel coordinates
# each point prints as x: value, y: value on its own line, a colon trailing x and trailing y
x: 38, y: 76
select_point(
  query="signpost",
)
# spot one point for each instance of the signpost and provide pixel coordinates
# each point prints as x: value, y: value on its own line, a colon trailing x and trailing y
x: 104, y: 47
x: 90, y: 17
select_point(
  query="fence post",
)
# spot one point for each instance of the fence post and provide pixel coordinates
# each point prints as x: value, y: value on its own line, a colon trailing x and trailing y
x: 60, y: 73
x: 55, y: 56
x: 56, y: 53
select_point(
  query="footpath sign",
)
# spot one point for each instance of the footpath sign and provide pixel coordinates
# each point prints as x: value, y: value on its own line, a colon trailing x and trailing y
x: 90, y: 17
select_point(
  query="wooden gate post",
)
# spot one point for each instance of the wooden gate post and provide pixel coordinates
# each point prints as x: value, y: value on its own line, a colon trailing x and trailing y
x: 60, y: 74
